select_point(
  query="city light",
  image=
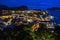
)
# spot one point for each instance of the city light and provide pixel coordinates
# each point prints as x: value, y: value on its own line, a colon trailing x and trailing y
x: 52, y: 17
x: 28, y: 16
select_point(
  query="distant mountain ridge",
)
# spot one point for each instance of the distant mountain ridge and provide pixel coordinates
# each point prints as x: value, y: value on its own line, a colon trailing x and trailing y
x: 23, y: 7
x: 54, y: 8
x: 3, y: 7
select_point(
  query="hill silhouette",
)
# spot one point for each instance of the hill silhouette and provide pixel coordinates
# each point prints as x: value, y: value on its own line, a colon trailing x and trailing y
x: 3, y: 7
x: 23, y: 7
x: 54, y: 8
x: 20, y: 8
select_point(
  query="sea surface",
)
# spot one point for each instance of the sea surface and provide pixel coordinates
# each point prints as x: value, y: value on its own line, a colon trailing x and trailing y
x: 56, y: 14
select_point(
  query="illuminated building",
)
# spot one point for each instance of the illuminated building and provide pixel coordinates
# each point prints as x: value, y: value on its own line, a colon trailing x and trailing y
x: 29, y: 16
x: 4, y: 12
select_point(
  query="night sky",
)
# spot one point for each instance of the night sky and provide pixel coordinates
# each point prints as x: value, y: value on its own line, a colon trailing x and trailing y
x: 38, y: 4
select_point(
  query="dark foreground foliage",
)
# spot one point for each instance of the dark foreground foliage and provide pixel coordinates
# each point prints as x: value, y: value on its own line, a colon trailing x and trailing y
x: 25, y: 33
